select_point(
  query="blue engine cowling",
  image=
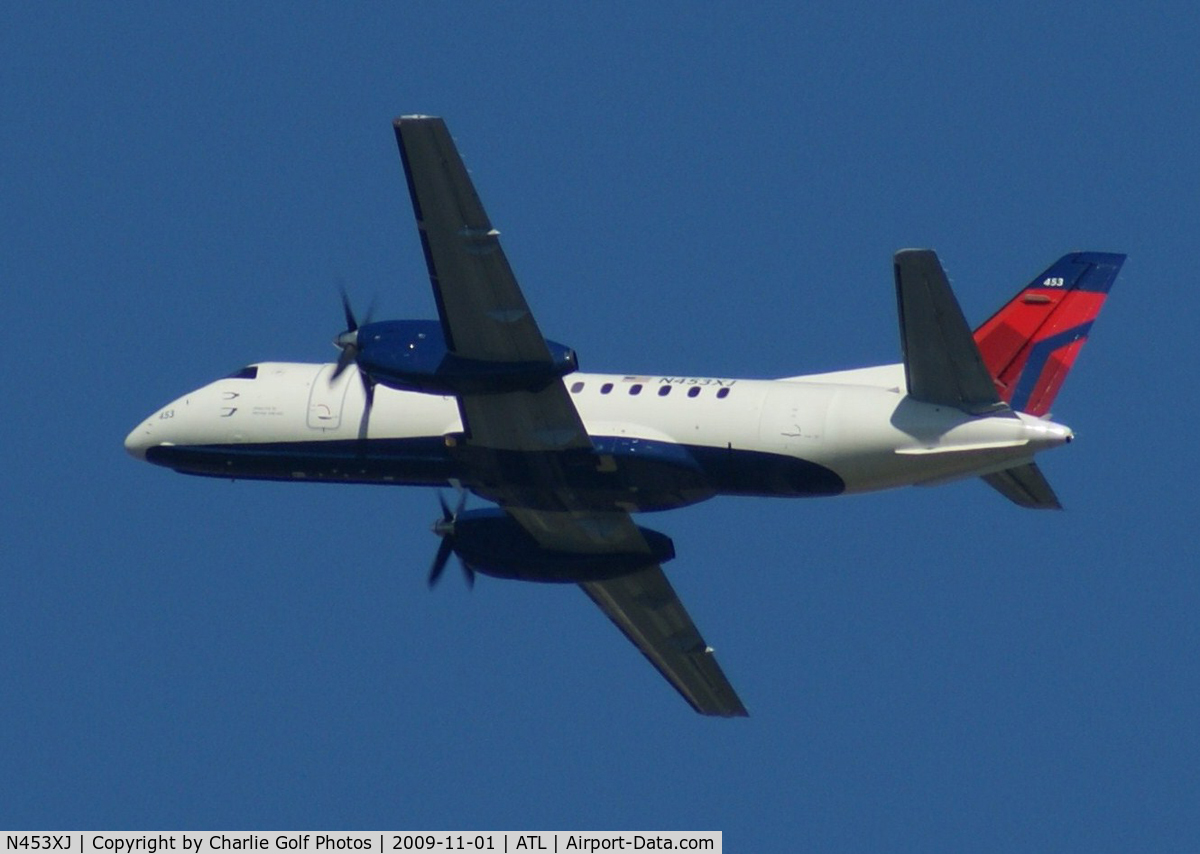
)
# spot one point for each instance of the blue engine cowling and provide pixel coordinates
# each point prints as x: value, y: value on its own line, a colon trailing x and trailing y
x: 492, y: 542
x: 411, y: 355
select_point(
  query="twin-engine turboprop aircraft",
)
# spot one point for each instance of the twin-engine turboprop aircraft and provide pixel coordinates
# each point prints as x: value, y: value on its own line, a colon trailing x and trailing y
x: 480, y: 400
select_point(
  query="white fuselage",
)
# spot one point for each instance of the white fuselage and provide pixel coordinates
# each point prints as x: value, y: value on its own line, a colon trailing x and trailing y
x: 855, y: 429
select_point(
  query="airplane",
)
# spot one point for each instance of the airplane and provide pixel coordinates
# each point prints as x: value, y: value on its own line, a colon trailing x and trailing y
x: 478, y: 400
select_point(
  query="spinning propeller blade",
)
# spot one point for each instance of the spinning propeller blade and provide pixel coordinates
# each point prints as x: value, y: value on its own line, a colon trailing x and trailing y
x: 444, y: 528
x: 445, y: 549
x: 351, y: 323
x: 347, y: 342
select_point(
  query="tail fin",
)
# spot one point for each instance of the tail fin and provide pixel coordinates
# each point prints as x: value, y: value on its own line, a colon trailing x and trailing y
x: 1029, y: 345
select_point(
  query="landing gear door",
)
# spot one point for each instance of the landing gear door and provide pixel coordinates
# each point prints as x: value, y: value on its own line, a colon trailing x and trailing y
x: 325, y: 399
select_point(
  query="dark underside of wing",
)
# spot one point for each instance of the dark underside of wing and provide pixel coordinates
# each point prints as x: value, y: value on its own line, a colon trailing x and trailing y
x: 644, y: 606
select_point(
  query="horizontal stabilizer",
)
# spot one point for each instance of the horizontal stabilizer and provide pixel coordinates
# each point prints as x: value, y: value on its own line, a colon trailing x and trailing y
x: 941, y: 362
x: 1024, y: 486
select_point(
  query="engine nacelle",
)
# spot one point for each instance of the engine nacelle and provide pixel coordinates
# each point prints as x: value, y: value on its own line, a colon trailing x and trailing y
x: 411, y: 355
x: 492, y: 542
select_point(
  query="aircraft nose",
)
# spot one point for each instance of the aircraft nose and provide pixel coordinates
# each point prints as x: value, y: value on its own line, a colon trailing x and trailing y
x: 139, y: 439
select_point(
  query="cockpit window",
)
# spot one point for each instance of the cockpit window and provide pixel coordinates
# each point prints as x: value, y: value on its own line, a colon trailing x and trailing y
x: 249, y: 372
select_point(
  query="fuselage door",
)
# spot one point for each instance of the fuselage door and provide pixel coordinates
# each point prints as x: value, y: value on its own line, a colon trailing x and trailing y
x: 325, y: 398
x: 793, y: 417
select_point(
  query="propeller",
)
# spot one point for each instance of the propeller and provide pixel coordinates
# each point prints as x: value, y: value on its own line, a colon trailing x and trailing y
x: 347, y: 342
x: 444, y: 528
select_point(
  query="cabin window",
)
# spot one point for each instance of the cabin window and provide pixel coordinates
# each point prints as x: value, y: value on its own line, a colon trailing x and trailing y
x: 664, y: 390
x: 693, y: 391
x: 576, y: 388
x: 723, y: 393
x: 636, y: 388
x: 606, y: 388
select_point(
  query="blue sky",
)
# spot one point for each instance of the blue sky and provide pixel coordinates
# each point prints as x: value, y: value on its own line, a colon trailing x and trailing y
x: 682, y: 189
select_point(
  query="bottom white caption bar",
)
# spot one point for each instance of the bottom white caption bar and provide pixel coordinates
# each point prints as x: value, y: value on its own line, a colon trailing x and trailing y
x: 377, y: 842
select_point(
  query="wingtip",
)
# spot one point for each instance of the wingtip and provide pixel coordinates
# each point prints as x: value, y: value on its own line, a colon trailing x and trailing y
x: 414, y: 117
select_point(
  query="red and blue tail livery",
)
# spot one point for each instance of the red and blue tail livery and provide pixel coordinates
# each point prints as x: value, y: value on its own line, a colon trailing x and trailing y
x: 1029, y: 345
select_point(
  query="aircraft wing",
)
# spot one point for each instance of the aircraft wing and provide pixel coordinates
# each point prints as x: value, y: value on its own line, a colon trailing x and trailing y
x: 485, y: 318
x: 644, y: 606
x: 483, y: 313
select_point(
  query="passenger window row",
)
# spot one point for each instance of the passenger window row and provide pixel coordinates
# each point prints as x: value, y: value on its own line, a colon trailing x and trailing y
x: 663, y: 390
